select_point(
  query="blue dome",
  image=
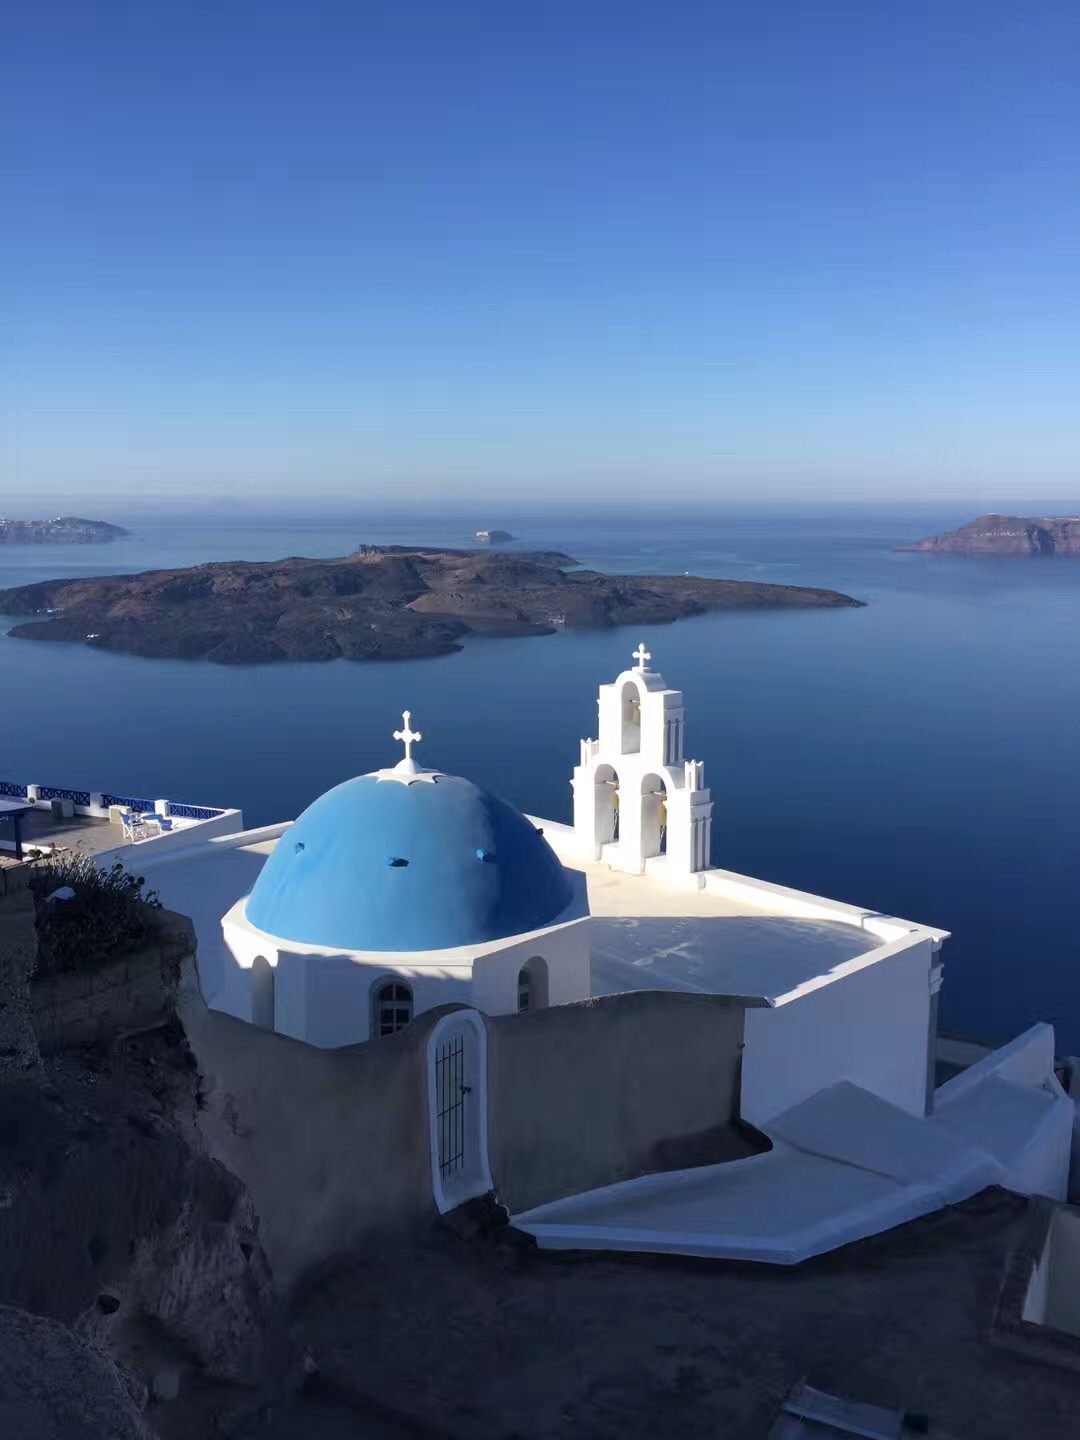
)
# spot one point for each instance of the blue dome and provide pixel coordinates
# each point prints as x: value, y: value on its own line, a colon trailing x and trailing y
x: 375, y: 864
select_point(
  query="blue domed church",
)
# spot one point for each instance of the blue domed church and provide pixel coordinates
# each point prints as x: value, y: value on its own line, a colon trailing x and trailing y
x: 401, y: 890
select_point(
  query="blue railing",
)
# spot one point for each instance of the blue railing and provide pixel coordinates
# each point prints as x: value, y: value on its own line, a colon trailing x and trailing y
x: 57, y: 792
x: 16, y: 792
x: 193, y: 812
x: 130, y: 802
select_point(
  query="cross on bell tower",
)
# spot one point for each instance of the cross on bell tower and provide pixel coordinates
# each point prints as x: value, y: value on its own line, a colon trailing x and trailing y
x: 641, y: 655
x: 408, y: 736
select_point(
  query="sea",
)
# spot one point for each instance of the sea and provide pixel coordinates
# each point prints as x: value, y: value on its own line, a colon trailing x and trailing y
x: 920, y: 756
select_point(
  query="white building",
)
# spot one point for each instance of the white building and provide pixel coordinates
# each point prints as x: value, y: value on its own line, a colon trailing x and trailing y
x: 406, y: 888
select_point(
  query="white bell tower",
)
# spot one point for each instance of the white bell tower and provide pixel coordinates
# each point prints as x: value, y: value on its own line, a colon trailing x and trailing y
x: 637, y: 802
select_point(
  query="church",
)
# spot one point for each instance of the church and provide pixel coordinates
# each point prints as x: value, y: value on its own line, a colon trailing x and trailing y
x: 576, y: 1001
x: 406, y: 888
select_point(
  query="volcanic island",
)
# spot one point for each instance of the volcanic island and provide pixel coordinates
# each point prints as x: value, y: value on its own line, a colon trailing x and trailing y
x: 381, y: 603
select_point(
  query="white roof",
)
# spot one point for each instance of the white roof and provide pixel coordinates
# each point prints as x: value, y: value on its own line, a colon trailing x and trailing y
x: 733, y: 935
x: 755, y: 957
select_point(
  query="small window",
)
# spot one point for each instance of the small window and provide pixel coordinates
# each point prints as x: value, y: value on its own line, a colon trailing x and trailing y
x: 393, y: 1008
x: 532, y: 986
x: 262, y: 993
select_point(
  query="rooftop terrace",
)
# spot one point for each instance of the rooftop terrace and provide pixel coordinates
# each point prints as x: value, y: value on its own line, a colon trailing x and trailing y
x: 37, y: 819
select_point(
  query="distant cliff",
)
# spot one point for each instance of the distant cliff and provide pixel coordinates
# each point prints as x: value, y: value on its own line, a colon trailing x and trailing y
x: 1007, y: 535
x: 493, y: 537
x: 384, y: 602
x: 64, y: 530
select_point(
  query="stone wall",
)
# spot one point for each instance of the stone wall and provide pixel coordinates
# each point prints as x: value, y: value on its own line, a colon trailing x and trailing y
x: 590, y: 1094
x: 132, y: 992
x: 18, y: 956
x: 333, y: 1144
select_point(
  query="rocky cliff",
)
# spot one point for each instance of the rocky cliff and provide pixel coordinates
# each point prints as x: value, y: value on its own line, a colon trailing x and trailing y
x: 1007, y: 535
x: 116, y: 1224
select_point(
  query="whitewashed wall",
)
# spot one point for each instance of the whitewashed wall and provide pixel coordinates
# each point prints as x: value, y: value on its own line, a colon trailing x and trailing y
x: 566, y: 954
x: 326, y: 999
x: 870, y: 1027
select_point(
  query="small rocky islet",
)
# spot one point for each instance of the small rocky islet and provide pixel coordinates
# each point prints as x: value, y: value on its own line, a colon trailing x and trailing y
x: 1007, y: 535
x: 64, y: 530
x: 380, y: 603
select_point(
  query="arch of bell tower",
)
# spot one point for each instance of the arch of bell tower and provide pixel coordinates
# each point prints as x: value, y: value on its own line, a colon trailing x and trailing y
x: 637, y: 800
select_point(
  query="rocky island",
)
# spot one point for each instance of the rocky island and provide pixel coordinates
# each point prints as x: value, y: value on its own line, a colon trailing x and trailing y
x: 384, y: 602
x: 493, y: 537
x: 64, y: 530
x: 1007, y: 535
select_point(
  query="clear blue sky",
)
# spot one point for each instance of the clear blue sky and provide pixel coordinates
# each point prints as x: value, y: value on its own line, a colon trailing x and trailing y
x: 778, y: 249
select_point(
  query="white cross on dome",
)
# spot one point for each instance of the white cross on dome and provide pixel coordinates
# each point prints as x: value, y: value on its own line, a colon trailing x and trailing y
x: 408, y: 736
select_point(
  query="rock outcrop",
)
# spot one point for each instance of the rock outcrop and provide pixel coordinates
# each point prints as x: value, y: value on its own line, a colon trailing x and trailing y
x: 381, y: 603
x: 19, y: 1053
x: 55, y: 1385
x: 1007, y: 535
x: 114, y: 1221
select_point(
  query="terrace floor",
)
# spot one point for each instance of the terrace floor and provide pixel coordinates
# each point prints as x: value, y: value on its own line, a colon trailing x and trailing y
x: 80, y: 832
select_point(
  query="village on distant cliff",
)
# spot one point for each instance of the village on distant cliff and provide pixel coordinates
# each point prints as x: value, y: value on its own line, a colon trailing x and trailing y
x: 64, y: 530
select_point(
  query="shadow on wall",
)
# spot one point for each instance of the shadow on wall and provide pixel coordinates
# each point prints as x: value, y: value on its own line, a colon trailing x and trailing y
x: 605, y: 1090
x: 334, y: 1144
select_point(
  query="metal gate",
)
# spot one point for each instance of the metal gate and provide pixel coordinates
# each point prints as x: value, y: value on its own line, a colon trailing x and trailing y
x: 450, y: 1091
x: 457, y: 1109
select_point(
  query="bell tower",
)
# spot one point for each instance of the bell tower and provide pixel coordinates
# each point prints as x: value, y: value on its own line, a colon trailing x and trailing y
x: 638, y: 803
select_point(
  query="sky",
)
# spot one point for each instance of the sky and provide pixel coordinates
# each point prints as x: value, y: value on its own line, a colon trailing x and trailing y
x: 779, y: 250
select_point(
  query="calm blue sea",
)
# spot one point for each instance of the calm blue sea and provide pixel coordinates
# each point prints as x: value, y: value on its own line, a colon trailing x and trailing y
x: 921, y: 756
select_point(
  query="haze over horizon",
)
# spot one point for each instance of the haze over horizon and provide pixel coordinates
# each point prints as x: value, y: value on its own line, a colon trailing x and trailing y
x: 742, y: 252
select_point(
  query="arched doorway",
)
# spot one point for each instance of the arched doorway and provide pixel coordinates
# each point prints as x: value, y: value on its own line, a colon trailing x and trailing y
x: 457, y: 1109
x: 631, y: 718
x: 653, y: 817
x: 533, y: 984
x: 606, y: 799
x: 262, y: 993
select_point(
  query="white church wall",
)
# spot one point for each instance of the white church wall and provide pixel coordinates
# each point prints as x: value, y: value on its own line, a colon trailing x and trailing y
x: 340, y: 993
x: 235, y: 991
x: 870, y: 1027
x: 565, y: 952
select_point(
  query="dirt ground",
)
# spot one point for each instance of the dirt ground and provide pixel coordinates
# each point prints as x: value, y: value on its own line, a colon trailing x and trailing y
x: 483, y: 1338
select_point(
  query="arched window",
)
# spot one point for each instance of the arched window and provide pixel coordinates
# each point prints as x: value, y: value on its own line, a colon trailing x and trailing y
x: 532, y: 988
x: 631, y: 718
x: 606, y: 803
x: 393, y: 1008
x: 262, y: 993
x: 653, y: 816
